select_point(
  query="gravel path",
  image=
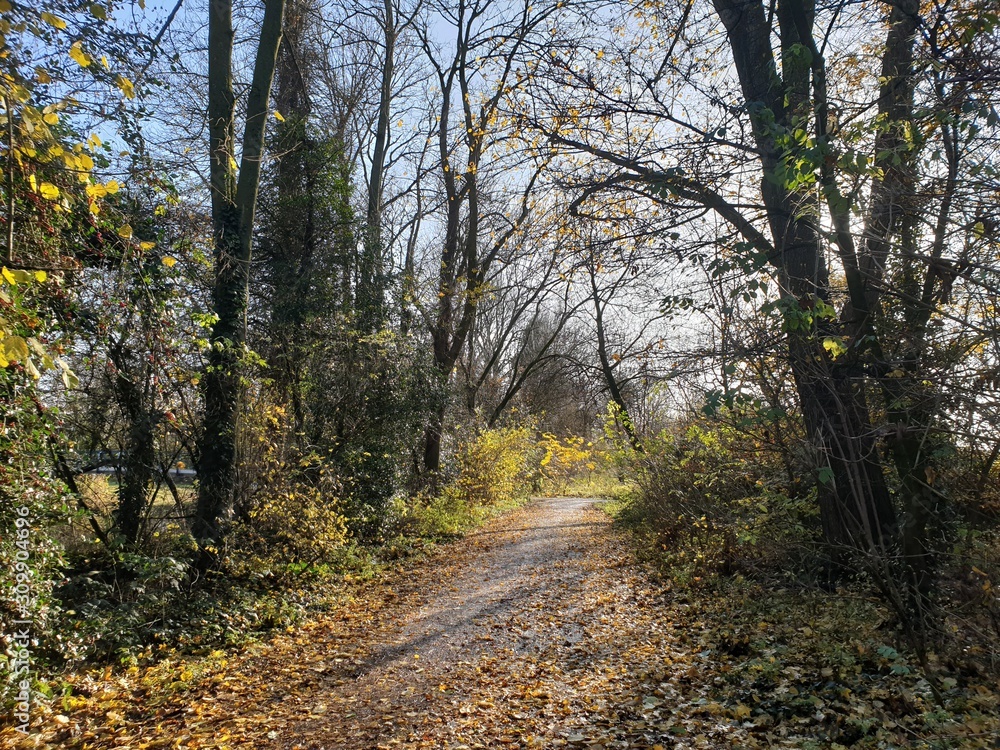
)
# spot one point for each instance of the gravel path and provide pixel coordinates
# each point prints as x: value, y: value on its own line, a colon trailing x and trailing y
x: 520, y: 641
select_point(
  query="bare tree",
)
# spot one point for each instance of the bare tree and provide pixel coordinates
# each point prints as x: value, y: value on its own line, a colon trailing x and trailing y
x: 474, y: 78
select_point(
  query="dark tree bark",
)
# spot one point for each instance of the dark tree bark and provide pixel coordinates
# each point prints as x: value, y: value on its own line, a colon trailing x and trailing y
x: 604, y: 358
x: 138, y: 458
x: 371, y: 289
x: 290, y: 245
x: 855, y: 504
x: 233, y: 205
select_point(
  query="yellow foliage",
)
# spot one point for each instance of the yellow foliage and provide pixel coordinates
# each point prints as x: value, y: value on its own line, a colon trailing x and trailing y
x: 564, y: 458
x: 126, y: 86
x: 494, y: 468
x: 290, y: 512
x: 76, y: 52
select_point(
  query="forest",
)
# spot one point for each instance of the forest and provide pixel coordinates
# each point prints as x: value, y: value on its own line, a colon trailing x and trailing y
x: 301, y: 300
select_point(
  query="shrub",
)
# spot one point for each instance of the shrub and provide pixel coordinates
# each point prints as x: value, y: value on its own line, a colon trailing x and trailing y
x: 298, y: 525
x: 492, y: 471
x: 495, y: 467
x: 290, y: 514
x: 563, y: 460
x: 718, y: 501
x: 33, y: 504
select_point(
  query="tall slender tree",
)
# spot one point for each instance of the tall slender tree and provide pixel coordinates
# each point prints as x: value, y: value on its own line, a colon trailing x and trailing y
x: 234, y: 200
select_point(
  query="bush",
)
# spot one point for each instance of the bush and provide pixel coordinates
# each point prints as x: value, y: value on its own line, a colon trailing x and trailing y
x: 495, y: 467
x: 34, y: 503
x: 290, y: 515
x: 297, y: 526
x: 493, y: 471
x: 717, y: 501
x: 563, y: 460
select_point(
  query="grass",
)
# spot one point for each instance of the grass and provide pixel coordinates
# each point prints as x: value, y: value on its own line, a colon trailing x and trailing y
x: 591, y: 484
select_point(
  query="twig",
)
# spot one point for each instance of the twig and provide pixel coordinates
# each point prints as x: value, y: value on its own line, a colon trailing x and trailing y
x: 10, y: 179
x: 159, y: 37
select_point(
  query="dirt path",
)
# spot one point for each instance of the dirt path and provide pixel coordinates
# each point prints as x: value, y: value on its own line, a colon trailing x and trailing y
x: 539, y: 630
x: 504, y: 649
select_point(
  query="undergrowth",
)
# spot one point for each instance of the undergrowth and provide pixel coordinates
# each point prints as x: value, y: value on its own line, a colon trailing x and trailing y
x: 288, y: 559
x: 814, y: 662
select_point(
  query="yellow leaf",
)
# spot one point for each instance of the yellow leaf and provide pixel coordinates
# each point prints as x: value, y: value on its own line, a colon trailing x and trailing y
x: 77, y: 53
x: 69, y: 378
x: 41, y: 276
x: 232, y: 163
x: 4, y: 6
x: 33, y: 182
x: 51, y: 118
x: 147, y: 245
x: 278, y: 117
x: 42, y: 75
x: 9, y: 276
x: 95, y: 208
x: 48, y: 191
x: 36, y: 347
x: 600, y: 54
x: 54, y: 21
x: 126, y: 87
x: 97, y: 190
x: 15, y: 348
x: 111, y: 186
x: 23, y: 277
x: 86, y: 163
x: 125, y: 232
x: 94, y: 141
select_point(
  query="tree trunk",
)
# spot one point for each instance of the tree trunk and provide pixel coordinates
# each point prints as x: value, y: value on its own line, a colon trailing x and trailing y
x: 371, y: 267
x: 233, y: 205
x: 135, y: 471
x: 432, y: 444
x: 855, y: 504
x: 607, y: 369
x: 293, y: 240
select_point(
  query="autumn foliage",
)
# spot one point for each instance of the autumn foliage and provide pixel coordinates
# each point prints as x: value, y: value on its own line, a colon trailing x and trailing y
x: 295, y: 292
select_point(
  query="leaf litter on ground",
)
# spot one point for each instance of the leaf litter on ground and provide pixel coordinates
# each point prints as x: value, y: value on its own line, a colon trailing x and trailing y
x: 542, y: 629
